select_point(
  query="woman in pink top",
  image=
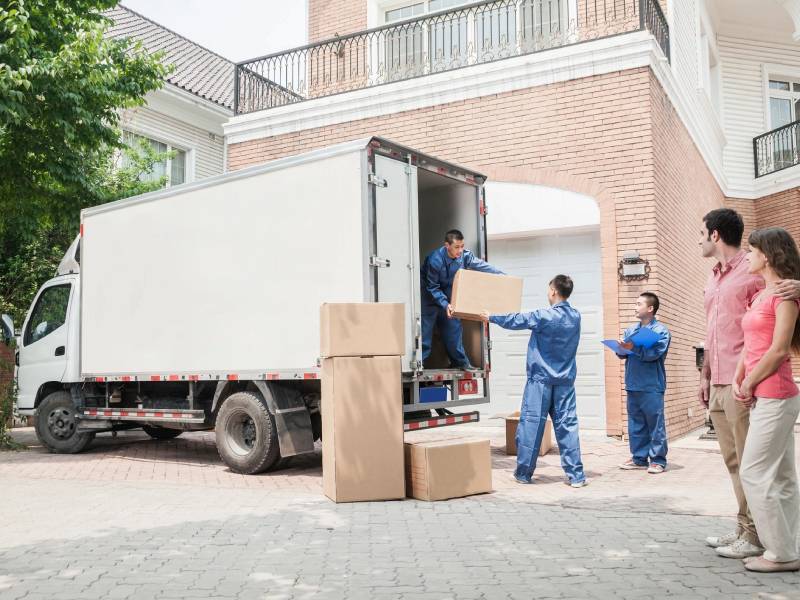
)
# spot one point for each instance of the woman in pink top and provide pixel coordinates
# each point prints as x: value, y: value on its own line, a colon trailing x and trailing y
x: 763, y: 382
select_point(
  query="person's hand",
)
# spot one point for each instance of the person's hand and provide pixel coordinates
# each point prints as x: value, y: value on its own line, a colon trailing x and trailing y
x: 450, y: 311
x: 626, y: 345
x: 485, y: 316
x: 788, y: 289
x: 704, y: 394
x: 743, y: 392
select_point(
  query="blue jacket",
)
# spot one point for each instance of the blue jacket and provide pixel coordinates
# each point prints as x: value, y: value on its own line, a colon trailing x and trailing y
x: 555, y: 333
x: 644, y: 369
x: 439, y: 270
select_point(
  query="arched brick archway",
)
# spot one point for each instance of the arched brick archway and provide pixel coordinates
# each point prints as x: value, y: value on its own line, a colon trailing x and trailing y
x: 609, y: 262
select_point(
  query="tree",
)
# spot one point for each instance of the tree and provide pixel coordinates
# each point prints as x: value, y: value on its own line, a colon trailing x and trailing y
x: 62, y: 85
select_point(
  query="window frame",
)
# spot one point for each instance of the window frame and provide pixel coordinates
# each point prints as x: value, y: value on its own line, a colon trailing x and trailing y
x: 188, y: 167
x: 775, y: 72
x: 27, y: 333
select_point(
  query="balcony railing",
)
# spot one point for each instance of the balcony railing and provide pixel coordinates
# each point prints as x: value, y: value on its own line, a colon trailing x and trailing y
x: 474, y: 34
x: 777, y: 149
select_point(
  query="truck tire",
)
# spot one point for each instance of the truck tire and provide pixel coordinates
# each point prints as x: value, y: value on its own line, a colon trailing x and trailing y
x: 247, y: 440
x: 161, y: 433
x: 57, y: 427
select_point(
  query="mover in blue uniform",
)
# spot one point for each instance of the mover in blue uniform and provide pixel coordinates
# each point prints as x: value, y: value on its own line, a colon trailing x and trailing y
x: 645, y: 383
x: 438, y: 271
x: 550, y: 388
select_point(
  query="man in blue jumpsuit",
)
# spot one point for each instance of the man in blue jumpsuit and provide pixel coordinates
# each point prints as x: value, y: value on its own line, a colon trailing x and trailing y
x: 550, y: 388
x: 645, y: 383
x: 438, y: 271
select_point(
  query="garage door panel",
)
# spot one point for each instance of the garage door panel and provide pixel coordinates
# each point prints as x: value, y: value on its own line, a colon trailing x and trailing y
x: 537, y: 259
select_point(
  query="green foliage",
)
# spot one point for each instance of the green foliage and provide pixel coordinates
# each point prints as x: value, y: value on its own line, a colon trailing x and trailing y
x: 62, y: 85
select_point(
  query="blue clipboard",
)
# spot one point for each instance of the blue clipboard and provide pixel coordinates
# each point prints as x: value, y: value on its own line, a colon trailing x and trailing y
x: 644, y: 337
x: 614, y: 346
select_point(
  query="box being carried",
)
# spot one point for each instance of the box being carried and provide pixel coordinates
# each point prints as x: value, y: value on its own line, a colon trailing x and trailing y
x: 362, y: 329
x: 448, y: 469
x: 512, y: 421
x: 475, y: 292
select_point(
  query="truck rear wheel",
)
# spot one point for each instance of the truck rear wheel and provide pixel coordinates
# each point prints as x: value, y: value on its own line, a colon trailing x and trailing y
x: 247, y: 440
x: 161, y: 433
x: 57, y: 425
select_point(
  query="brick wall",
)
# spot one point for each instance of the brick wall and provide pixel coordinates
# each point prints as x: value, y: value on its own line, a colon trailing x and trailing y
x: 329, y: 17
x: 615, y: 134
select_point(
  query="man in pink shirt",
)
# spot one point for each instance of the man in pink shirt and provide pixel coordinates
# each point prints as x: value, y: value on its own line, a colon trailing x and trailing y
x: 727, y: 294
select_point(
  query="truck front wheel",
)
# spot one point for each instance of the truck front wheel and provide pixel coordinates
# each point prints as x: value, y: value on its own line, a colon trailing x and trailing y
x: 57, y: 425
x: 247, y: 440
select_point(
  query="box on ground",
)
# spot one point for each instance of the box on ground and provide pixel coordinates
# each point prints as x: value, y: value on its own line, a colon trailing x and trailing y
x: 362, y: 329
x: 512, y: 421
x: 475, y: 292
x: 448, y: 469
x: 362, y: 429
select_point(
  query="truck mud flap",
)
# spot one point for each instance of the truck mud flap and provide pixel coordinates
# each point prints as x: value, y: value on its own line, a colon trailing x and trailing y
x: 292, y: 419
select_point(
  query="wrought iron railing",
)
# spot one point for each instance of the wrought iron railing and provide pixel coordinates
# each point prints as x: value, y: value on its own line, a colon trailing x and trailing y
x: 473, y: 34
x: 777, y: 149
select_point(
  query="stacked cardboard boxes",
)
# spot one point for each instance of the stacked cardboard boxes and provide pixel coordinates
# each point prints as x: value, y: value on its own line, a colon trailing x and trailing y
x: 512, y: 421
x: 362, y: 403
x: 438, y: 470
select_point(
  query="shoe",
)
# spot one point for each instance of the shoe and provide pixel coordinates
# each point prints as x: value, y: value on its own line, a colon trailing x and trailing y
x: 522, y: 481
x: 740, y: 549
x: 762, y: 565
x: 631, y: 465
x: 655, y: 469
x: 469, y: 368
x: 723, y: 540
x: 577, y: 484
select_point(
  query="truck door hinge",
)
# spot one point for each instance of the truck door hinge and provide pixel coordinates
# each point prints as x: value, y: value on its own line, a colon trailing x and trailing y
x: 377, y: 261
x: 376, y: 181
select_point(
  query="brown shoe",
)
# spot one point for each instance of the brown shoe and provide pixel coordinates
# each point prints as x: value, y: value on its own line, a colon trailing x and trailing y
x: 762, y: 565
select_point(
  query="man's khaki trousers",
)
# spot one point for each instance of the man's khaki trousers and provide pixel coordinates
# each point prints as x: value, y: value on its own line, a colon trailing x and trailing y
x: 731, y: 421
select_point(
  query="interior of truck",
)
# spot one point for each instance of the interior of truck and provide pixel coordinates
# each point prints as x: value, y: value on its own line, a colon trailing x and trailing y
x: 446, y: 203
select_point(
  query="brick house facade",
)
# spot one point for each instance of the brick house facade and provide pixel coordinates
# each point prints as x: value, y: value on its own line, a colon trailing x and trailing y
x: 623, y: 135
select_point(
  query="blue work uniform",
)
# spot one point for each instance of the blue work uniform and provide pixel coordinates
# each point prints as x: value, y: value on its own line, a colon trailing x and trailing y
x: 550, y: 388
x: 438, y: 272
x: 645, y: 383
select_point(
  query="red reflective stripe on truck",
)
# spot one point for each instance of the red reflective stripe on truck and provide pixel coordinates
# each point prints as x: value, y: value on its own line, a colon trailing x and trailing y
x: 174, y: 378
x: 194, y: 377
x: 233, y: 377
x: 99, y: 379
x: 309, y: 375
x: 81, y: 231
x: 272, y: 376
x: 125, y: 378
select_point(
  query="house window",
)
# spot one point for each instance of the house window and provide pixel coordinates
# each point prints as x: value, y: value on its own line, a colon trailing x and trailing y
x: 174, y: 167
x: 784, y: 108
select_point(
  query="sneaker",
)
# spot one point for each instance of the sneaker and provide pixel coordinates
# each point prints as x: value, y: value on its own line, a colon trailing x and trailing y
x: 522, y: 481
x: 723, y: 540
x: 762, y: 565
x: 631, y: 465
x: 577, y: 484
x: 655, y: 469
x: 740, y: 549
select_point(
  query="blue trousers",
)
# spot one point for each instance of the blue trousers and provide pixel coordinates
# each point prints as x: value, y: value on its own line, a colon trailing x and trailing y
x: 539, y: 400
x: 646, y: 428
x: 449, y: 329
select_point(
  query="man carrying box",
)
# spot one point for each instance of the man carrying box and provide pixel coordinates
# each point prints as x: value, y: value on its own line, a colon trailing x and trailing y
x: 550, y: 388
x: 438, y: 271
x: 645, y: 383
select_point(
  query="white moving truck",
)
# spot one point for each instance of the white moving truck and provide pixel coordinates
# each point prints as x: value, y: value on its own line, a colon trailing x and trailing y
x: 197, y: 307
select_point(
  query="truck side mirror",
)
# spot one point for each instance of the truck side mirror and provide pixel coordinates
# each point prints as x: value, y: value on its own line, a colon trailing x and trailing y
x: 6, y: 329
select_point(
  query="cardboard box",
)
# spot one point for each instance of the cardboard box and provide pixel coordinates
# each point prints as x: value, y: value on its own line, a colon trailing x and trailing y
x: 512, y: 421
x: 474, y: 292
x: 362, y: 429
x: 448, y: 469
x: 362, y: 329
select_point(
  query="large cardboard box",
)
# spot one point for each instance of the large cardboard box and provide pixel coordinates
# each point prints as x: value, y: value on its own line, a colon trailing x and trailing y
x: 362, y: 329
x: 448, y: 469
x: 512, y: 421
x: 362, y: 429
x: 474, y: 292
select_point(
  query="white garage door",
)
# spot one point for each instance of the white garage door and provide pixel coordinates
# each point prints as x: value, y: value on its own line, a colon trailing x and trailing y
x: 537, y: 259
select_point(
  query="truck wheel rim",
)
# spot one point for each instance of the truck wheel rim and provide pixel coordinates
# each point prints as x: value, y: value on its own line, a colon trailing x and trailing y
x: 241, y: 433
x: 61, y: 423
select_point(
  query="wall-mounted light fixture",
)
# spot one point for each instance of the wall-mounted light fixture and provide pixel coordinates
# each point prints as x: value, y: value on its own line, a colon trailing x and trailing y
x: 632, y: 267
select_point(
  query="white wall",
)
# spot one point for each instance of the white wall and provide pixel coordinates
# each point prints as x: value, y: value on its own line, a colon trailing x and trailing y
x: 743, y: 85
x: 205, y: 152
